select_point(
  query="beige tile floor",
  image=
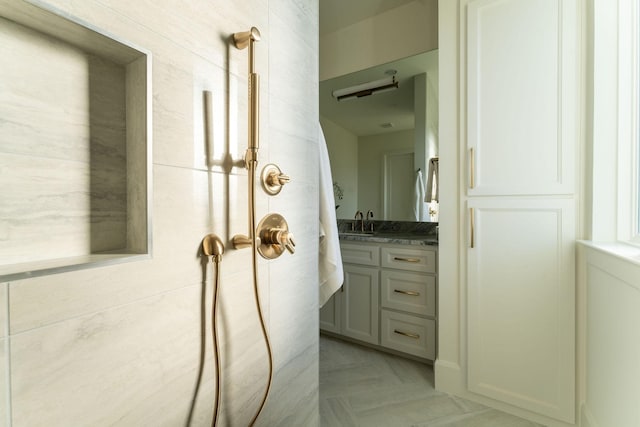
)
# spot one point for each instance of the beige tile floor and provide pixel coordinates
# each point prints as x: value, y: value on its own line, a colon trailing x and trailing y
x: 364, y: 387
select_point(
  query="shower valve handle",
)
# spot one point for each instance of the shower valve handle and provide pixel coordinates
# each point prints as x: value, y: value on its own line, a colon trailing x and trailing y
x: 290, y: 245
x: 275, y: 236
x: 281, y: 237
x: 273, y: 179
x: 286, y: 240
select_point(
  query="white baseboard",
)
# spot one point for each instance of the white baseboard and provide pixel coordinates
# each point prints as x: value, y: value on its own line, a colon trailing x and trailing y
x: 586, y: 418
x: 449, y: 377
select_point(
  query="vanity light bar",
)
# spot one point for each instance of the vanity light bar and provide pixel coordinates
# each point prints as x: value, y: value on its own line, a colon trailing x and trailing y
x: 366, y: 89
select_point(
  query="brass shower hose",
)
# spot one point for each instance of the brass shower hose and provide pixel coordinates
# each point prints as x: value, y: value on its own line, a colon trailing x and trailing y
x: 212, y: 246
x: 216, y: 344
x: 254, y: 262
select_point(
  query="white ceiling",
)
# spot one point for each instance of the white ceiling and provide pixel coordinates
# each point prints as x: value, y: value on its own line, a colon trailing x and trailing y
x: 364, y: 116
x: 337, y: 14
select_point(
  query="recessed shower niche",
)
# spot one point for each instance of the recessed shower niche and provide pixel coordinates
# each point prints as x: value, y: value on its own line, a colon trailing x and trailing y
x: 74, y: 144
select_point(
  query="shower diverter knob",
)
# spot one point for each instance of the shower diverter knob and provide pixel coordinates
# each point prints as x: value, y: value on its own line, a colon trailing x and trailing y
x: 273, y: 179
x: 275, y: 236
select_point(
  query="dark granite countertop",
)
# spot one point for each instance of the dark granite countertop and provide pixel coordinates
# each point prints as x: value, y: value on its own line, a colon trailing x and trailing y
x: 395, y: 232
x: 395, y: 238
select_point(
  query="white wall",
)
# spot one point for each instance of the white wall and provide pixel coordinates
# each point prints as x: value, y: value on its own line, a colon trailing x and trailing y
x: 121, y: 345
x: 397, y: 33
x: 343, y: 155
x: 371, y: 151
x: 610, y: 342
x: 450, y: 360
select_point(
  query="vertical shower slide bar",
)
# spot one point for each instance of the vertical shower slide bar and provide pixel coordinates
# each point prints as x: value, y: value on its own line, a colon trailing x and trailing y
x: 270, y: 238
x: 241, y: 41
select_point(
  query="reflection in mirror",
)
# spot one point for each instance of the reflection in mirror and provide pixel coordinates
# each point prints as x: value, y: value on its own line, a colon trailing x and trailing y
x: 380, y: 146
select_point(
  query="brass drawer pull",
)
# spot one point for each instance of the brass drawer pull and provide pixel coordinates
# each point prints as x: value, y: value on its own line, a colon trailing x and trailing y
x: 472, y: 222
x: 406, y: 334
x: 406, y: 259
x: 411, y: 293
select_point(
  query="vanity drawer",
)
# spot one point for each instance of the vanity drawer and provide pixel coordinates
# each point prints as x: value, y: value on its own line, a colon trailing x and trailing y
x: 409, y: 259
x: 359, y: 253
x: 412, y: 292
x: 409, y: 334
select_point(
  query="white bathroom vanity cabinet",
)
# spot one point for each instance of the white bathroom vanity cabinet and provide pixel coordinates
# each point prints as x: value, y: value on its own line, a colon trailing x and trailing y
x: 388, y: 299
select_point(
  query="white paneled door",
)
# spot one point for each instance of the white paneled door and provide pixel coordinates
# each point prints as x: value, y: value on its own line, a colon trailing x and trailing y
x: 519, y: 109
x: 521, y: 296
x: 521, y: 96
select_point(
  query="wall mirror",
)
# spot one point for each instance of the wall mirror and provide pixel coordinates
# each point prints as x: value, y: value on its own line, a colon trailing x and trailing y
x: 377, y: 143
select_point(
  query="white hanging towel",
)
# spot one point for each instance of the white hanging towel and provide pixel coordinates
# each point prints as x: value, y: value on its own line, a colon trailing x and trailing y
x: 432, y: 182
x: 331, y: 274
x: 420, y: 210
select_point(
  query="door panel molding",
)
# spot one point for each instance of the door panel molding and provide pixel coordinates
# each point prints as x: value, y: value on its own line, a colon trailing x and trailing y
x: 521, y: 96
x: 521, y: 310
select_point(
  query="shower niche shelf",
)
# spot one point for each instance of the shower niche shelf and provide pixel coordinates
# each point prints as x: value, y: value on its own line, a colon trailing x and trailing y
x: 75, y: 150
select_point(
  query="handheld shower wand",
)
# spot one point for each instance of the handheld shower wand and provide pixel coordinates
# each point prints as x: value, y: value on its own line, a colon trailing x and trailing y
x: 241, y: 41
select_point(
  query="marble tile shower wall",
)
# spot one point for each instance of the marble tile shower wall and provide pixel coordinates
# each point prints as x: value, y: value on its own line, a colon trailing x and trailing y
x: 87, y: 194
x: 121, y: 345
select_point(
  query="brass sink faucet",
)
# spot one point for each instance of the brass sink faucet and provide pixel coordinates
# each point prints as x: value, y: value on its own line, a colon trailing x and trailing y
x: 355, y: 221
x: 369, y: 215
